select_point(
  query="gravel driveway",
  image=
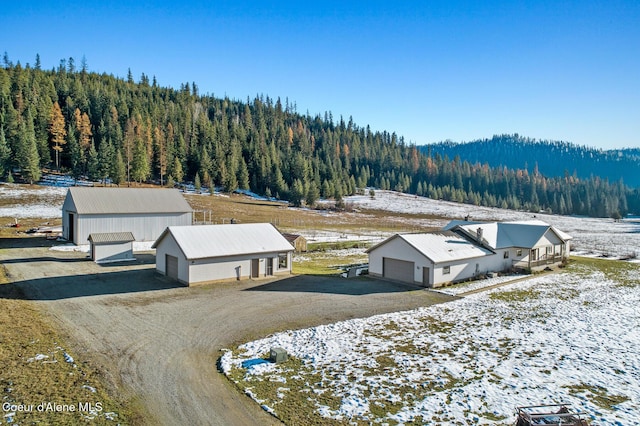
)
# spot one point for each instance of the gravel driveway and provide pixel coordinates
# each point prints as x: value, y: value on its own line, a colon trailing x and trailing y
x: 160, y: 342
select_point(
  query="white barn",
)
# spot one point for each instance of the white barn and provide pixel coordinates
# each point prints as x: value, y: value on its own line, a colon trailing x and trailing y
x: 145, y: 212
x: 463, y: 250
x: 210, y: 253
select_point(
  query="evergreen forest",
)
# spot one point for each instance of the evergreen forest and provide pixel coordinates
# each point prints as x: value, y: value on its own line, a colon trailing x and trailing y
x: 126, y: 132
x: 551, y: 158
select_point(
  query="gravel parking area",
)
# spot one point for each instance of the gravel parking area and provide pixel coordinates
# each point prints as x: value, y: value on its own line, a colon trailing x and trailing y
x: 160, y: 342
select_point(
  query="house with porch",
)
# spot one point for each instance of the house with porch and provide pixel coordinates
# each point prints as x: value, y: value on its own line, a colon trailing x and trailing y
x: 463, y: 250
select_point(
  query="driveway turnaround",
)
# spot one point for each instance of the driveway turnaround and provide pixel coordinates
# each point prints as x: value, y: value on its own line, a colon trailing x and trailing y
x: 160, y: 342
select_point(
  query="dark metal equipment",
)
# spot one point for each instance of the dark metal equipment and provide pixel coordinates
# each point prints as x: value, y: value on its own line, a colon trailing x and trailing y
x: 550, y: 415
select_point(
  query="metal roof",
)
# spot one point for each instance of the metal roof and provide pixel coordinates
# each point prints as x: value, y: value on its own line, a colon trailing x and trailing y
x: 441, y: 246
x: 111, y: 237
x: 91, y: 200
x: 200, y: 242
x: 499, y: 235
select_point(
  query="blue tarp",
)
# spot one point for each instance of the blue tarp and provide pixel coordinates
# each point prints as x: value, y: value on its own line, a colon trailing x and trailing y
x: 251, y: 362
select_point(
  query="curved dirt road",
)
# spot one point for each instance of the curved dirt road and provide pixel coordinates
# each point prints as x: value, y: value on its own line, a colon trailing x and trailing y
x: 161, y: 342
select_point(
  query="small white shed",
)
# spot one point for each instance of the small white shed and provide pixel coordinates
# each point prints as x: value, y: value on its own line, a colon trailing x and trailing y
x: 209, y: 253
x: 111, y: 246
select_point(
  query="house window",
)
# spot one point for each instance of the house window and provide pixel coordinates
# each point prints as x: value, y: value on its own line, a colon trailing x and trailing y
x: 519, y: 252
x: 283, y: 260
x: 506, y: 254
x: 446, y: 270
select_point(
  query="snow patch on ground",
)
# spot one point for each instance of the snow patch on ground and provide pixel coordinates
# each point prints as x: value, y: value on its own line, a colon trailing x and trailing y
x: 549, y: 339
x: 22, y: 202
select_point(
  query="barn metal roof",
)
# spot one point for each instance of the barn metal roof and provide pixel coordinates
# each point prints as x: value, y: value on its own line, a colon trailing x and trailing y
x: 111, y: 237
x: 200, y: 242
x: 441, y: 246
x: 91, y: 200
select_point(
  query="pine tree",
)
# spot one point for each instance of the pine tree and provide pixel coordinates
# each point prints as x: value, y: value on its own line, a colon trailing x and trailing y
x: 196, y: 183
x: 106, y: 159
x: 313, y: 194
x: 57, y: 131
x: 296, y: 195
x: 243, y: 175
x: 28, y: 158
x: 76, y: 155
x: 93, y: 164
x: 229, y: 180
x: 5, y: 153
x: 140, y: 168
x: 119, y: 171
x: 177, y: 172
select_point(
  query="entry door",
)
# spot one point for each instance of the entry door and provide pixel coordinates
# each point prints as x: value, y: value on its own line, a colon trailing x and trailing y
x: 171, y: 265
x: 425, y: 277
x: 255, y: 268
x: 71, y: 235
x: 269, y: 270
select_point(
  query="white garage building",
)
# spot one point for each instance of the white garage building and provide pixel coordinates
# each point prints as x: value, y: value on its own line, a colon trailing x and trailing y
x: 429, y: 259
x: 209, y: 253
x: 145, y: 212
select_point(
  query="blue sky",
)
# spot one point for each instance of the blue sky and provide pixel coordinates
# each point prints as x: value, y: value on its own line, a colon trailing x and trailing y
x: 427, y: 70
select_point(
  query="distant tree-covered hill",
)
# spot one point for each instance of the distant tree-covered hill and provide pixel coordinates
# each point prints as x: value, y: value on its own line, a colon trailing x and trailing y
x: 102, y: 127
x: 552, y: 158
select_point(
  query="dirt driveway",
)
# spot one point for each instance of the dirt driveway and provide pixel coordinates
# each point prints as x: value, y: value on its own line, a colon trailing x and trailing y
x: 161, y: 342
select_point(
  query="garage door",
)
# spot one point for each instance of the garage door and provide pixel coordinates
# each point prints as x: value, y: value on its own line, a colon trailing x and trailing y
x: 399, y: 270
x: 171, y: 263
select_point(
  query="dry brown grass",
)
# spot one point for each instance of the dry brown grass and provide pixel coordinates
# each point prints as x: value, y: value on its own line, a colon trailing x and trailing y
x: 35, y: 370
x: 223, y: 208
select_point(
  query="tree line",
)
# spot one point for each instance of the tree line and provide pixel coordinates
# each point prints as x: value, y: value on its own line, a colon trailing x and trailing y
x: 103, y: 127
x: 552, y: 158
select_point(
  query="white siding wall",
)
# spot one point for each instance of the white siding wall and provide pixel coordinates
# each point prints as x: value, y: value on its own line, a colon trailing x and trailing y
x: 169, y: 246
x: 216, y: 269
x: 549, y: 239
x: 233, y: 267
x: 146, y: 227
x: 397, y: 248
x: 466, y: 268
x: 459, y: 270
x: 112, y: 252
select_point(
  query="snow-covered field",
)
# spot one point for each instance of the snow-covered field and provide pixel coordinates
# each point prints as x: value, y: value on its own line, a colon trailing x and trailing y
x: 18, y: 201
x: 568, y: 337
x: 598, y: 236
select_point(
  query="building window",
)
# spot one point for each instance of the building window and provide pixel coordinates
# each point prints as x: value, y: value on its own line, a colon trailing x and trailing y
x: 506, y: 254
x: 446, y: 270
x: 519, y: 252
x: 283, y: 261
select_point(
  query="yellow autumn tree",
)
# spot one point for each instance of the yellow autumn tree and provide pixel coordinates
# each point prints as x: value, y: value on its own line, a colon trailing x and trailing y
x: 84, y: 129
x: 57, y: 131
